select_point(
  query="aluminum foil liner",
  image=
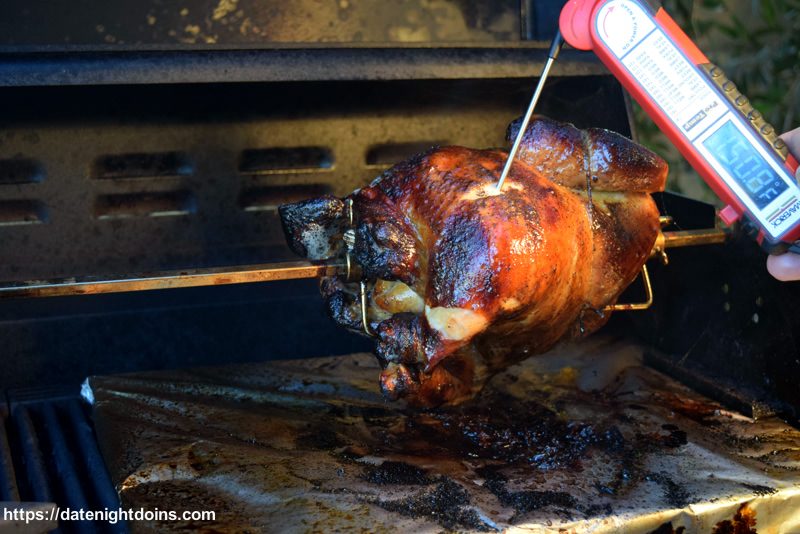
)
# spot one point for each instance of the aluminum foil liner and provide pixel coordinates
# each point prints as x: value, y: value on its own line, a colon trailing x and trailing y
x: 583, y: 439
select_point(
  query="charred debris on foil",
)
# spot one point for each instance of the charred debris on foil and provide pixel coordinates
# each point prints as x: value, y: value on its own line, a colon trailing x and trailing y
x: 582, y: 436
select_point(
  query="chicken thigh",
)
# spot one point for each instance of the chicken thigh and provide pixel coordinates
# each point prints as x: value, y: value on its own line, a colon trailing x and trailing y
x: 463, y: 280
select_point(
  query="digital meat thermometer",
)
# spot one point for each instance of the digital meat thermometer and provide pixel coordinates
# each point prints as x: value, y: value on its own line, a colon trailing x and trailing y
x: 714, y: 126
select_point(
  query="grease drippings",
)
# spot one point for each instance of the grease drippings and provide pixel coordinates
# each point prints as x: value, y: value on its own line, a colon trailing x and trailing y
x: 742, y: 522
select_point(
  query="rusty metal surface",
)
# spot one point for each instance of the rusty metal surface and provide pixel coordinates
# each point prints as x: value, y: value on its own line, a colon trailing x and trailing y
x: 584, y: 438
x: 287, y: 64
x: 241, y: 274
x: 235, y: 22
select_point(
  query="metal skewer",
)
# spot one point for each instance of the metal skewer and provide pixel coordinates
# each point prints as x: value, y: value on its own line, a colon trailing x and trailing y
x: 690, y: 238
x: 555, y: 48
x: 268, y: 272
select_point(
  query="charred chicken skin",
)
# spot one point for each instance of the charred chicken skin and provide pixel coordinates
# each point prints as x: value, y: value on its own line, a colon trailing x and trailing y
x: 464, y: 280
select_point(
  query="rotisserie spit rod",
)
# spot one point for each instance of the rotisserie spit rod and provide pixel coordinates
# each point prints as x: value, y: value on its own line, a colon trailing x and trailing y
x: 268, y: 272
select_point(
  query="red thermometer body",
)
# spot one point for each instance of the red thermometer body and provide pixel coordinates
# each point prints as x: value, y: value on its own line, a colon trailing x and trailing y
x: 715, y: 128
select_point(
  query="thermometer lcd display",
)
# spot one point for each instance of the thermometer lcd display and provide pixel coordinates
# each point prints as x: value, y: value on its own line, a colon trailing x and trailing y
x: 729, y: 146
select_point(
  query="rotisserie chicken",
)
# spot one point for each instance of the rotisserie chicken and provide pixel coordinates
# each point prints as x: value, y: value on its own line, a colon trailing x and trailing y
x: 463, y: 280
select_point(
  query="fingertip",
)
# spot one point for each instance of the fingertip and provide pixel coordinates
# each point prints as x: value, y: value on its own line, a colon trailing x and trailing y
x: 785, y: 267
x: 792, y: 140
x: 791, y: 136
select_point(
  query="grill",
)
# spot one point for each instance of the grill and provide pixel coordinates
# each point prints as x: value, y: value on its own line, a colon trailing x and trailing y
x: 50, y: 455
x: 140, y: 138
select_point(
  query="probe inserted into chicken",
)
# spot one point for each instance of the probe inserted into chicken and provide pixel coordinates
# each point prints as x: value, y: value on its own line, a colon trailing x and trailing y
x: 464, y: 280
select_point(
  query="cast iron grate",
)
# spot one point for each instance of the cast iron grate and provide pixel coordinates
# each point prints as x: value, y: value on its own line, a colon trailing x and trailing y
x: 49, y: 453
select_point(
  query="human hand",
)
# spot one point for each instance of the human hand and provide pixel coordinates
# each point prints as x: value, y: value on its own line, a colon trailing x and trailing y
x: 786, y: 267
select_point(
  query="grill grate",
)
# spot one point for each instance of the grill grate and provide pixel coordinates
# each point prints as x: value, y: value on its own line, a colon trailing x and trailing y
x: 48, y: 453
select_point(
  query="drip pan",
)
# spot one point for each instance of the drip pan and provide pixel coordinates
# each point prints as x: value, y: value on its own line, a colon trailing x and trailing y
x: 584, y: 438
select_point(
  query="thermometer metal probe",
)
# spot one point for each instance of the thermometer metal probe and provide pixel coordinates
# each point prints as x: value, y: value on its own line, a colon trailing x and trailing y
x: 555, y: 48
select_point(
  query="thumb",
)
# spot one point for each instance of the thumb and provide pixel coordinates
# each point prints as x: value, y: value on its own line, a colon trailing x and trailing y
x: 785, y: 267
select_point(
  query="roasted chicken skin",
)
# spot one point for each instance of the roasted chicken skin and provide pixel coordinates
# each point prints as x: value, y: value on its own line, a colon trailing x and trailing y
x: 463, y: 280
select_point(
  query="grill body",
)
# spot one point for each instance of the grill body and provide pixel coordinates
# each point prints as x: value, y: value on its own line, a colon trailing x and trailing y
x: 138, y: 138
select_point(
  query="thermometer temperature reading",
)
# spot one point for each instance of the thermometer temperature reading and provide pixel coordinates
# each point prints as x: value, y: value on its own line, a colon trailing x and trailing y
x: 715, y: 128
x: 739, y: 160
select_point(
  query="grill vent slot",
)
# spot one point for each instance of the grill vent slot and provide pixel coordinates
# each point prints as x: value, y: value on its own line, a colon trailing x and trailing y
x: 20, y: 171
x: 269, y: 198
x: 141, y: 165
x: 18, y: 212
x: 386, y: 155
x: 171, y: 203
x: 286, y: 160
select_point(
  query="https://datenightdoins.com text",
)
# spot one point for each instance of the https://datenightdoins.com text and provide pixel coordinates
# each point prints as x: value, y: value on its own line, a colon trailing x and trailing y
x: 112, y: 516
